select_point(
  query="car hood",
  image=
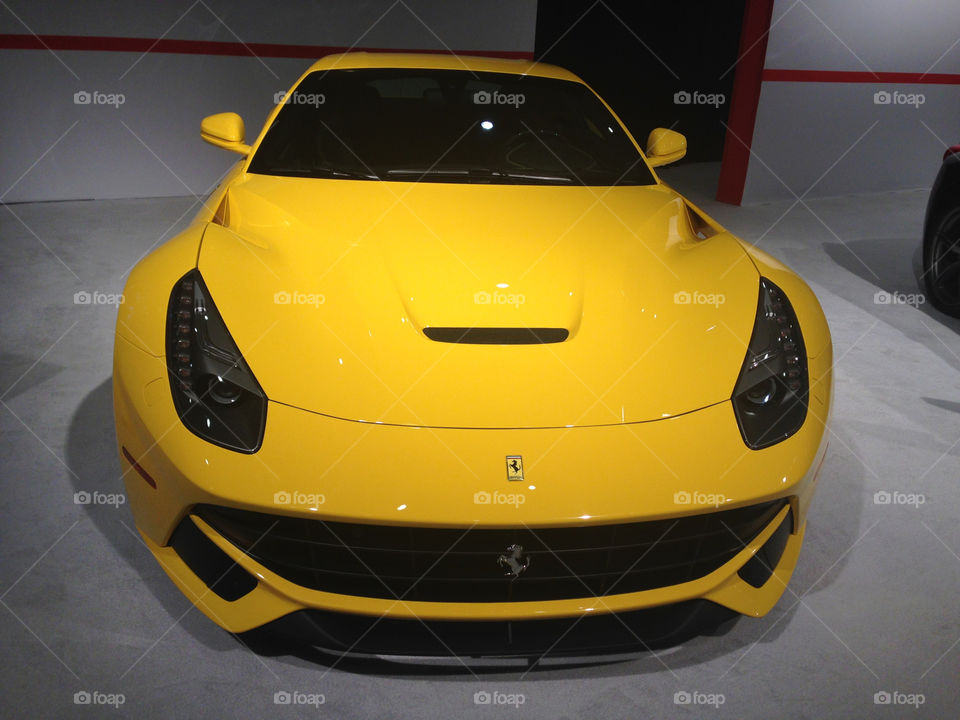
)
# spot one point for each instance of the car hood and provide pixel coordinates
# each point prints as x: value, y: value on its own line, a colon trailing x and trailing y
x: 327, y: 287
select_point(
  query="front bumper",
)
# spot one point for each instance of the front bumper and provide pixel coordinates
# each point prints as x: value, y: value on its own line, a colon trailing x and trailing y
x: 313, y: 466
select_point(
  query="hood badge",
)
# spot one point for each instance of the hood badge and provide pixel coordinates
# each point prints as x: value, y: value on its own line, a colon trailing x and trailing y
x: 514, y: 468
x: 515, y: 561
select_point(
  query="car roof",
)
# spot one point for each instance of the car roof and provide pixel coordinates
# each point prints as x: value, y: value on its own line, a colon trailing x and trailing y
x: 441, y: 61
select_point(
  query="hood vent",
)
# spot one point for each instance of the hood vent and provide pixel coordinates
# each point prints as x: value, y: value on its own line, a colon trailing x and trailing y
x: 496, y: 336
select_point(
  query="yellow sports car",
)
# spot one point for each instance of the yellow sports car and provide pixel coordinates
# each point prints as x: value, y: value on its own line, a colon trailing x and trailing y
x: 444, y: 364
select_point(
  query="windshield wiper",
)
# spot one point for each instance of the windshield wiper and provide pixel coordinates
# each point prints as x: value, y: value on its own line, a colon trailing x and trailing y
x: 479, y: 173
x: 543, y: 178
x: 352, y: 174
x: 324, y: 172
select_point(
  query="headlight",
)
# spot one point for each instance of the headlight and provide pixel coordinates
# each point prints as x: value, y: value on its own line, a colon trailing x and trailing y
x: 770, y: 398
x: 215, y: 393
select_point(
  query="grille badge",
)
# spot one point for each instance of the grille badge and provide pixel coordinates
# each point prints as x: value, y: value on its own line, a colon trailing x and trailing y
x: 514, y: 560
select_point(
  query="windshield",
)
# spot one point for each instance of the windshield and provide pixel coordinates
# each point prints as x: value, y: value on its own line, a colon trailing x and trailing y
x: 448, y: 126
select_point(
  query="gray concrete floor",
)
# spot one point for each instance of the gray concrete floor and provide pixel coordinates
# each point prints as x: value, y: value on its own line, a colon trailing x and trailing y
x: 873, y: 606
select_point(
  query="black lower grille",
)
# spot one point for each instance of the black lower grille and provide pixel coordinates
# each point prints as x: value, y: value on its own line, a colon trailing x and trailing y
x: 209, y: 563
x: 637, y: 630
x: 758, y: 569
x: 465, y: 565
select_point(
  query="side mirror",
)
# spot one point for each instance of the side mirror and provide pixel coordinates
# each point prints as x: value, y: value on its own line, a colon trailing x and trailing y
x: 225, y: 130
x: 665, y: 146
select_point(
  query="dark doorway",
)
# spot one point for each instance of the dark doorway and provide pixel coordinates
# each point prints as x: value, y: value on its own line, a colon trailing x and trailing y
x: 638, y: 55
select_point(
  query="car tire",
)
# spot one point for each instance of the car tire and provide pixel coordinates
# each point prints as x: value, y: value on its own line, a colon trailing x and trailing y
x: 941, y: 263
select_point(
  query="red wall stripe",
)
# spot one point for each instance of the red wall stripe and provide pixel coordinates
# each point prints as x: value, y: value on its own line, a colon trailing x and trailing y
x: 772, y: 75
x: 208, y: 47
x: 744, y: 100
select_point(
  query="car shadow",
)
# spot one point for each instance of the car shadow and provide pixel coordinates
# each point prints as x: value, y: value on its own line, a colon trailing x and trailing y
x: 893, y: 266
x: 943, y: 404
x: 15, y: 366
x: 91, y: 452
x: 834, y: 519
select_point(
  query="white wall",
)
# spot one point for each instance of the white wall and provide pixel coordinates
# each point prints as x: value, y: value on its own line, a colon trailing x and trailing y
x: 150, y: 145
x: 804, y: 128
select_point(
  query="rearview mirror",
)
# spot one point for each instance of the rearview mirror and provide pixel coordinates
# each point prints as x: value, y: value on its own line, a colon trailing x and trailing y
x: 225, y: 130
x: 665, y: 146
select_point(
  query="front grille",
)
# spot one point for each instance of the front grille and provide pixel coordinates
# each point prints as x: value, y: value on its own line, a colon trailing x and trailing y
x: 461, y: 565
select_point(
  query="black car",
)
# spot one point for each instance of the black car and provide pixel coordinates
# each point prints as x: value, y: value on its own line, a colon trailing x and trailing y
x: 941, y: 236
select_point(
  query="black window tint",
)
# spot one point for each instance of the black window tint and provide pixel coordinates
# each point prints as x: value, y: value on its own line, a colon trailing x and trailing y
x: 448, y: 126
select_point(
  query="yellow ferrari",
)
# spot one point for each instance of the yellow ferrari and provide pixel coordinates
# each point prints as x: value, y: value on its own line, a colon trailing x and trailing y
x: 444, y: 364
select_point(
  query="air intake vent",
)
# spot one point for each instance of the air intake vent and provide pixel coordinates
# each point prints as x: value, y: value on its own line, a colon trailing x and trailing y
x: 496, y: 336
x: 462, y: 565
